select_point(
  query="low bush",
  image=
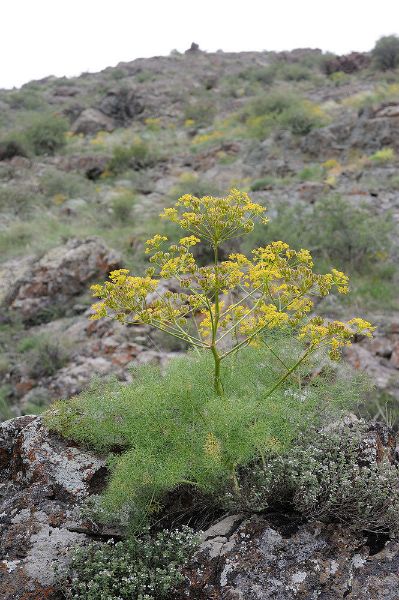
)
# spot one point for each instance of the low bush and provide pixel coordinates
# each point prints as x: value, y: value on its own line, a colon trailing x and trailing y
x: 292, y: 72
x: 334, y: 230
x: 43, y: 356
x: 328, y: 476
x: 386, y: 52
x: 385, y: 155
x: 282, y: 111
x: 71, y: 185
x: 200, y: 111
x: 46, y: 134
x: 10, y: 148
x: 122, y: 206
x: 146, y: 568
x: 136, y: 156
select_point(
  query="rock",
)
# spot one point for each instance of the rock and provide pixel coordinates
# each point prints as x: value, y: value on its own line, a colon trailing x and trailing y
x: 347, y: 63
x: 66, y: 91
x: 194, y: 48
x: 91, y: 121
x: 43, y: 483
x: 51, y: 282
x: 121, y: 106
x: 266, y: 560
x: 73, y: 206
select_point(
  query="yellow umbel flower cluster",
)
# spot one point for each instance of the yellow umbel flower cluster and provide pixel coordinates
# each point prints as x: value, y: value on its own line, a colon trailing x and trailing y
x: 274, y: 288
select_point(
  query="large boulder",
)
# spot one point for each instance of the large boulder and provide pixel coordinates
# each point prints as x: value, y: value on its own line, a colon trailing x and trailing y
x: 269, y: 559
x: 51, y: 282
x: 91, y: 121
x: 121, y: 106
x: 43, y: 482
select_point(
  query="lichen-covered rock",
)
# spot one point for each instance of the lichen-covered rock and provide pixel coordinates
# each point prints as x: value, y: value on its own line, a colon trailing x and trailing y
x: 49, y: 283
x: 43, y: 482
x: 263, y: 559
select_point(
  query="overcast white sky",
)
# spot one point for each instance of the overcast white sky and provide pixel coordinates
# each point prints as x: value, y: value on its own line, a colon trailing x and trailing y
x: 66, y: 37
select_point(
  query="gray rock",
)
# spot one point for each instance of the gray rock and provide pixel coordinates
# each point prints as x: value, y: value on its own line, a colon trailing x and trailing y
x: 52, y: 281
x: 43, y: 482
x: 91, y: 121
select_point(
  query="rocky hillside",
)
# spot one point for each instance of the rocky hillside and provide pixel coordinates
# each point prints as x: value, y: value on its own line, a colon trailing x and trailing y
x: 86, y: 165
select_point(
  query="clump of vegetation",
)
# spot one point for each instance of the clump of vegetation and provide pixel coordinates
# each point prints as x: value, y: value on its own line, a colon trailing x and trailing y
x: 193, y: 184
x: 136, y: 156
x: 385, y: 155
x: 327, y: 476
x: 283, y: 111
x: 145, y: 568
x: 43, y: 356
x: 70, y: 185
x: 46, y: 134
x: 224, y: 424
x: 122, y: 206
x: 10, y: 147
x: 174, y: 430
x: 332, y: 480
x: 335, y: 231
x: 386, y: 52
x: 200, y: 112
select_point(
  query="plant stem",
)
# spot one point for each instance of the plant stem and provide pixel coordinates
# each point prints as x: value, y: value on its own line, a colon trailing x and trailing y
x: 217, y: 378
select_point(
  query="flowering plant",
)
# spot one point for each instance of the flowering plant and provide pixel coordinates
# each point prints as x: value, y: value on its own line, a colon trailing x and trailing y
x: 272, y: 289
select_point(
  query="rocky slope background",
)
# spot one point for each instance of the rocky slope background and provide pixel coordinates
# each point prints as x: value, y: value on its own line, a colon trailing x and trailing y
x: 86, y: 165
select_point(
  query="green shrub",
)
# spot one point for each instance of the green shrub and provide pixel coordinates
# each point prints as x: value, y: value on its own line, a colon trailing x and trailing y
x: 191, y: 183
x: 146, y: 568
x: 27, y: 99
x: 46, y: 134
x: 385, y: 155
x: 301, y: 119
x: 175, y: 430
x: 386, y: 52
x: 334, y: 230
x: 122, y: 206
x: 16, y: 200
x: 201, y: 111
x: 10, y: 147
x: 263, y: 183
x: 136, y: 156
x: 282, y: 111
x: 311, y: 173
x: 43, y: 356
x: 293, y: 72
x: 71, y: 185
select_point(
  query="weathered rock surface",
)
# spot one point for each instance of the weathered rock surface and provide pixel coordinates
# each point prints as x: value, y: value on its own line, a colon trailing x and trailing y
x: 62, y: 273
x: 91, y: 121
x: 260, y: 559
x: 43, y: 482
